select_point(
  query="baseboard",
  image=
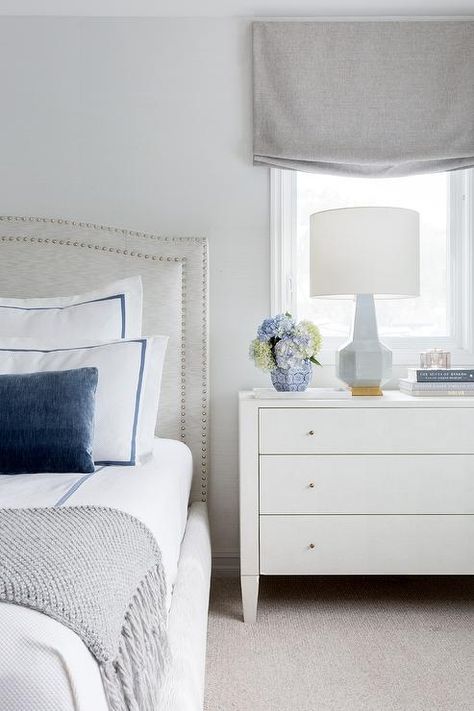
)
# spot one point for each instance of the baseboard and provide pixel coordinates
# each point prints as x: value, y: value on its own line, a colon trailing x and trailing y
x: 225, y: 565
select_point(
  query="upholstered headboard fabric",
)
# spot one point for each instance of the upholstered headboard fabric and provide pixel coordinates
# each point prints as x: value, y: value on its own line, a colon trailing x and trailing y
x: 47, y: 257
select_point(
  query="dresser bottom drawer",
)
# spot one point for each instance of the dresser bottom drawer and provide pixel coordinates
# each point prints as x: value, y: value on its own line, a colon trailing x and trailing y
x: 367, y: 545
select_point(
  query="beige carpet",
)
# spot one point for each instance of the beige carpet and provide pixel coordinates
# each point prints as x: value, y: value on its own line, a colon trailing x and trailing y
x: 343, y: 644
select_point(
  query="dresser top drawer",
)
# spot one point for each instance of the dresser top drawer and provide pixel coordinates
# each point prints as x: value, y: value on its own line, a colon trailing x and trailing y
x: 366, y: 430
x: 390, y: 399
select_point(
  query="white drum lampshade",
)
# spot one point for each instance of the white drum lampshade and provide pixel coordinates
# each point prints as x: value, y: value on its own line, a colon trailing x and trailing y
x: 365, y: 252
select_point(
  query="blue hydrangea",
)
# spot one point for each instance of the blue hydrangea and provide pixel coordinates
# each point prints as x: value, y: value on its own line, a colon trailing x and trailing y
x: 287, y: 354
x: 279, y: 326
x: 283, y: 343
x: 301, y: 339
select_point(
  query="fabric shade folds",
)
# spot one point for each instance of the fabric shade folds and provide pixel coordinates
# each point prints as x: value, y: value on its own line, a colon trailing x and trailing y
x: 369, y: 98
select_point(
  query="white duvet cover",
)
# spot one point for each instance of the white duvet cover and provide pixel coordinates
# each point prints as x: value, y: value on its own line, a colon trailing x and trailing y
x: 44, y: 666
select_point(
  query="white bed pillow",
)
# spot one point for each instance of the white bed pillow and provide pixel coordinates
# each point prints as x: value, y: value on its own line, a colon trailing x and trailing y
x: 114, y: 311
x: 127, y: 394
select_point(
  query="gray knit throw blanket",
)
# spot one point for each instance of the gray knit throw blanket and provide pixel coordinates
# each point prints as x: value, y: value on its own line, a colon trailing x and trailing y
x: 98, y: 571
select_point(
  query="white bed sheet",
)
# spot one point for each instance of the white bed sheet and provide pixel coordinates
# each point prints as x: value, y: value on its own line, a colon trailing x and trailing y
x: 44, y: 666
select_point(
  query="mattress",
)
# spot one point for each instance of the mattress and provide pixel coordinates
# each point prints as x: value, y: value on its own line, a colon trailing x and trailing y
x: 44, y: 666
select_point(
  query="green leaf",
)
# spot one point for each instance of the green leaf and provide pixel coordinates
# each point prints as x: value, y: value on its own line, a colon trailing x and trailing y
x: 316, y: 362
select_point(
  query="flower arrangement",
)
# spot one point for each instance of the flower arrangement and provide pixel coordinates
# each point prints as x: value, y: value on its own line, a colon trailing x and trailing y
x: 285, y: 345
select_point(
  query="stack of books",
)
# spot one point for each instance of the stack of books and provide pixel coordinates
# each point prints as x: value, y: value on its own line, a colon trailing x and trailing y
x: 436, y: 382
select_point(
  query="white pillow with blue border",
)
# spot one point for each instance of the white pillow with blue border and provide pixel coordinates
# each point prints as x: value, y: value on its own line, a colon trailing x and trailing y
x: 114, y: 311
x: 128, y: 389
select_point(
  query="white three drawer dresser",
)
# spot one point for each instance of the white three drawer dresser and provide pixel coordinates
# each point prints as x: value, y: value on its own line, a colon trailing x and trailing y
x: 360, y: 486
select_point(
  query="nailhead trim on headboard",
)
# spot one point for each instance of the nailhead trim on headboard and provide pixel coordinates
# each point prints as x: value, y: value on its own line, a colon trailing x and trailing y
x: 153, y: 257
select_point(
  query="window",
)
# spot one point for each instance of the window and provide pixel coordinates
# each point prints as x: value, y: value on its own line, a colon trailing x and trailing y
x: 440, y: 317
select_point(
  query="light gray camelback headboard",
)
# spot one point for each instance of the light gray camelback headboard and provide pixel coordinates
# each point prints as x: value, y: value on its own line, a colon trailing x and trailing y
x: 46, y: 257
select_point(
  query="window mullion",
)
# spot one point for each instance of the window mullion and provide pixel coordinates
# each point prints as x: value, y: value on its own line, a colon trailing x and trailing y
x: 455, y: 249
x: 460, y: 260
x: 468, y: 261
x: 283, y: 247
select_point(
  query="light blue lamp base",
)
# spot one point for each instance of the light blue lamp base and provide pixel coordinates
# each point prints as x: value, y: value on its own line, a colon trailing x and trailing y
x: 364, y: 363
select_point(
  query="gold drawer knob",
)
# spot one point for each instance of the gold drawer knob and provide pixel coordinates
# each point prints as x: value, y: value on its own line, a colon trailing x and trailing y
x: 312, y: 545
x: 311, y: 432
x: 311, y: 484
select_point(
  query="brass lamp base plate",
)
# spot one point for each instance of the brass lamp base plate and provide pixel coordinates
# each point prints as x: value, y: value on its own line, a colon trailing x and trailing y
x: 364, y: 392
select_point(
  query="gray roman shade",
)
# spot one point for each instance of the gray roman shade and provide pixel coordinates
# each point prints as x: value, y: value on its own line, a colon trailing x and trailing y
x: 373, y: 98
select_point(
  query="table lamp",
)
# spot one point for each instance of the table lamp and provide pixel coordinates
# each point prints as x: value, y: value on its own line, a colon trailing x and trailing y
x: 366, y: 253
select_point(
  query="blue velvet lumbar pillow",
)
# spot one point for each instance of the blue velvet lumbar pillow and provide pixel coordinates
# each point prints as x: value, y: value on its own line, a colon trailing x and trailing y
x: 47, y: 421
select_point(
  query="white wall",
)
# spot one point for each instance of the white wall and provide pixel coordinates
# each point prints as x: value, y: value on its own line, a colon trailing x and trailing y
x: 233, y: 8
x: 146, y: 123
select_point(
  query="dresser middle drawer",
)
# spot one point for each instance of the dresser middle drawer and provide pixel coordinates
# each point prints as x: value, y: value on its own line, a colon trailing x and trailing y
x: 367, y: 484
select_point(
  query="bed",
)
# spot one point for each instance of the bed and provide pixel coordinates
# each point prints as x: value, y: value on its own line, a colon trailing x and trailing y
x: 45, y: 665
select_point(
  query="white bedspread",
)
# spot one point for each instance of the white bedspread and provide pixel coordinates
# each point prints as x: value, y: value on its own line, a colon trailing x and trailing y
x: 44, y: 666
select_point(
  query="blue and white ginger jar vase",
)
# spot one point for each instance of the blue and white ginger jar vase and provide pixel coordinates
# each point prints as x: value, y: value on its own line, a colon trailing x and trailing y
x: 294, y: 379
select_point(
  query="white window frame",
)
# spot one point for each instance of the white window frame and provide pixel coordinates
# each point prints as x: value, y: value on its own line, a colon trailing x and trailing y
x: 460, y: 287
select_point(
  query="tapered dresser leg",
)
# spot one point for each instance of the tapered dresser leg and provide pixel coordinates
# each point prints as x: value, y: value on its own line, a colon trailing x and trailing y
x: 249, y: 584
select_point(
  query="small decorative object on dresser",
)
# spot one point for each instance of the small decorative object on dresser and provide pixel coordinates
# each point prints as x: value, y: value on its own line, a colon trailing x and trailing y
x: 435, y: 358
x: 287, y: 350
x: 357, y: 486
